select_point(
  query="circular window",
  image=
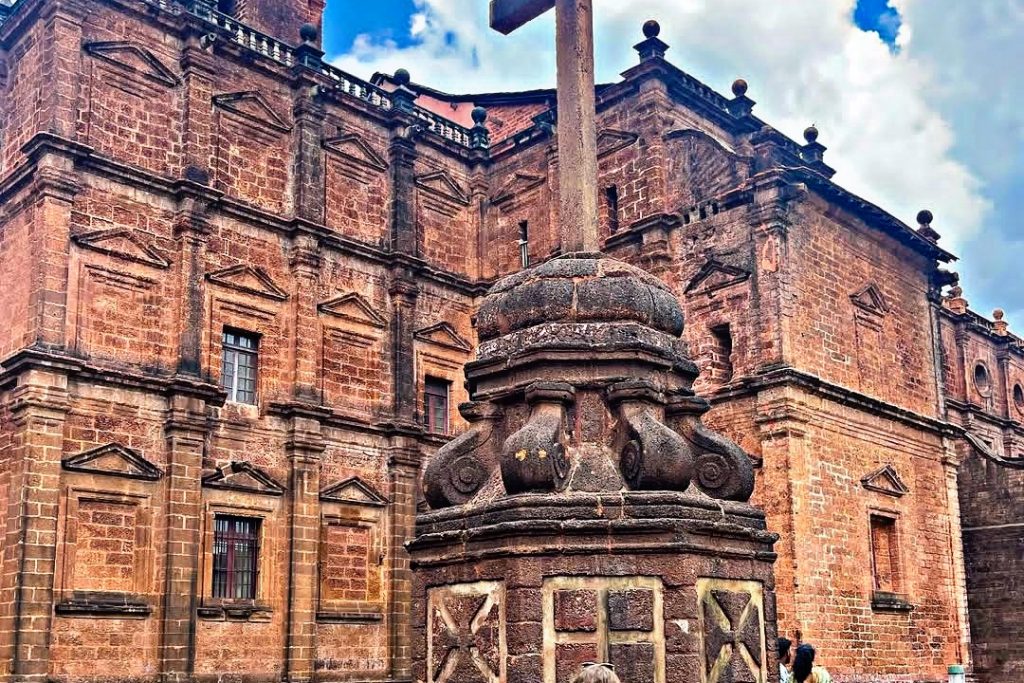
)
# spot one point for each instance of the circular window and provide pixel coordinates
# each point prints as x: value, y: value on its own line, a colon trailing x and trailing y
x: 982, y: 380
x: 1018, y: 397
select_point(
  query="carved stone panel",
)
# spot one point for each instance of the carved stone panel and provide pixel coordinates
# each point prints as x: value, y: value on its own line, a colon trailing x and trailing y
x: 466, y: 633
x: 731, y: 628
x: 604, y: 619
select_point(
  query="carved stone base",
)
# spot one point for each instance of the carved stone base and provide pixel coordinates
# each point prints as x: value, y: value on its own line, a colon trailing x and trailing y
x: 668, y: 587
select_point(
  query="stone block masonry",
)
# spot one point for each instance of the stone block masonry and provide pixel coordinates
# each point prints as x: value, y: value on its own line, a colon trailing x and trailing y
x: 230, y: 272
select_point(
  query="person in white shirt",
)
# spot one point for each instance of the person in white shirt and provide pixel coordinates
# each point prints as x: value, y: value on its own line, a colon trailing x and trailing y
x: 785, y: 659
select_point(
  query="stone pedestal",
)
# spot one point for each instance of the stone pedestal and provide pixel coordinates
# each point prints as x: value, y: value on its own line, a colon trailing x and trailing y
x: 588, y: 515
x: 668, y: 587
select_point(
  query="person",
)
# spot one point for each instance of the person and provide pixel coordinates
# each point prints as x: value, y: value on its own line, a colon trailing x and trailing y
x: 804, y: 670
x: 785, y: 646
x: 596, y: 673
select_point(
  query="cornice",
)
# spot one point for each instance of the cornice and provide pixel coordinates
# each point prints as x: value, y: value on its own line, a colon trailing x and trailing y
x: 787, y: 376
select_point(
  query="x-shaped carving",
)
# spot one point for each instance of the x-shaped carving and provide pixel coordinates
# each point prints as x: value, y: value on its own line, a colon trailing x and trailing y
x: 466, y: 646
x: 732, y: 639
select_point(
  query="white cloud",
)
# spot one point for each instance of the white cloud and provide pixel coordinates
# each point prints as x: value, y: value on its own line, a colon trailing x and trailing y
x: 805, y: 62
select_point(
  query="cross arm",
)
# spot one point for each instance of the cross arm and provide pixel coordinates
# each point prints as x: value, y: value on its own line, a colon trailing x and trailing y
x: 508, y: 15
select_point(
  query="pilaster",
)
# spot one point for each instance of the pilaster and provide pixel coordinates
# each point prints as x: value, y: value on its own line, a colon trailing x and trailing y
x: 309, y: 187
x: 402, y: 155
x: 305, y: 445
x: 770, y: 221
x: 39, y: 405
x: 305, y: 265
x: 62, y: 65
x: 404, y: 292
x: 197, y: 70
x: 404, y: 459
x: 55, y: 186
x: 185, y: 429
x: 191, y: 231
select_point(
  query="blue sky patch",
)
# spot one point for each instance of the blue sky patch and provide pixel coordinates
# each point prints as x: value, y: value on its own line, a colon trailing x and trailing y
x: 381, y: 19
x: 878, y: 16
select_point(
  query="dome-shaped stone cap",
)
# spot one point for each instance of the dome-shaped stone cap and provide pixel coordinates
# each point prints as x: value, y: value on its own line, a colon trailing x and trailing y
x: 579, y: 288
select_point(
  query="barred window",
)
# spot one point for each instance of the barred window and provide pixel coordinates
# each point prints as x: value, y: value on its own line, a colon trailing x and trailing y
x: 435, y: 402
x: 238, y: 371
x: 235, y: 555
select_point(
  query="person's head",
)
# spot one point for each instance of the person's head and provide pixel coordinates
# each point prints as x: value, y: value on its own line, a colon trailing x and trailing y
x: 785, y: 650
x: 596, y: 673
x: 803, y: 662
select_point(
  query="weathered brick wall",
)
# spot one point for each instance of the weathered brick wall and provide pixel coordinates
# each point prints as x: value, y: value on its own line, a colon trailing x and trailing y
x: 20, y: 115
x: 881, y: 349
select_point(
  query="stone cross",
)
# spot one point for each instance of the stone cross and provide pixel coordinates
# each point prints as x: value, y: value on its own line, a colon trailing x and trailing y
x: 577, y: 129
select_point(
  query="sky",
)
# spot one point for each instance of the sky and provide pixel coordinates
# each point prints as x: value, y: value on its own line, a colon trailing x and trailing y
x: 918, y: 101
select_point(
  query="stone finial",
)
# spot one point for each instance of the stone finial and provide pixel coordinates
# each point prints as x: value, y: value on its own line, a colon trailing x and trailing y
x: 1000, y: 326
x: 924, y: 226
x: 402, y: 96
x: 740, y: 105
x: 813, y: 152
x: 309, y: 33
x: 956, y: 301
x: 652, y: 47
x: 479, y: 136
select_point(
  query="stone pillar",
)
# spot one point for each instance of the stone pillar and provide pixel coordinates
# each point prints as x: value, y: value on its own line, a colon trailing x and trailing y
x: 404, y: 293
x: 198, y: 67
x: 305, y: 264
x: 308, y: 176
x: 191, y: 229
x: 958, y: 570
x: 62, y: 65
x: 305, y: 446
x: 404, y: 461
x: 185, y: 431
x: 39, y: 404
x: 562, y: 530
x: 402, y: 154
x: 770, y: 221
x: 56, y: 184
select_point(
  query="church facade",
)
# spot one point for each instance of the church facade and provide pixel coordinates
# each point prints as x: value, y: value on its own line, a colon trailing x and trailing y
x: 239, y: 289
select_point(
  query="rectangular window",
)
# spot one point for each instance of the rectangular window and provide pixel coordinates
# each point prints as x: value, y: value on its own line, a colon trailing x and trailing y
x: 238, y: 370
x: 235, y: 555
x: 721, y: 353
x: 611, y: 196
x: 885, y: 562
x: 524, y: 243
x: 435, y: 402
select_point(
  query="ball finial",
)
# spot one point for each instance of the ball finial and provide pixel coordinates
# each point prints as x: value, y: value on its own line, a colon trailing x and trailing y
x: 811, y: 134
x: 479, y: 115
x: 998, y: 314
x: 652, y: 29
x: 308, y: 33
x: 401, y: 77
x: 739, y: 87
x: 924, y: 217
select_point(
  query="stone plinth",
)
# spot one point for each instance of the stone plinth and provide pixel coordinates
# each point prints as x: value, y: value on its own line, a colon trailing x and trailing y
x: 566, y: 529
x: 668, y: 587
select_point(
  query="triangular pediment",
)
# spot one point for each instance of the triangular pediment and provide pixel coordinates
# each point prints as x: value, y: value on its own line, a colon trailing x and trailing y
x: 869, y: 298
x: 248, y: 279
x: 716, y: 274
x: 353, y: 307
x: 442, y: 183
x: 443, y: 334
x: 354, y: 491
x: 133, y: 58
x: 123, y: 244
x: 885, y: 480
x: 114, y: 460
x: 252, y: 106
x: 517, y: 185
x: 354, y: 148
x: 610, y: 140
x: 241, y: 476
